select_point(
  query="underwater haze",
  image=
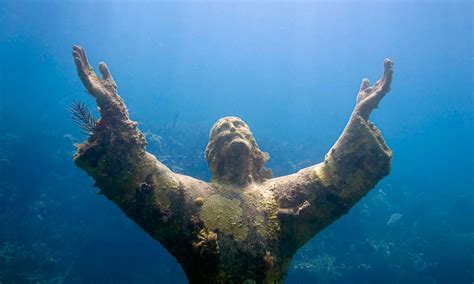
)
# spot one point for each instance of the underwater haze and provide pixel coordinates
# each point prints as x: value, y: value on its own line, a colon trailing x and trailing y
x: 291, y: 70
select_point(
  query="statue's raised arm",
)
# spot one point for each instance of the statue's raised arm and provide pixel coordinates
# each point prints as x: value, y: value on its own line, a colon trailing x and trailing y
x: 114, y: 155
x: 316, y: 196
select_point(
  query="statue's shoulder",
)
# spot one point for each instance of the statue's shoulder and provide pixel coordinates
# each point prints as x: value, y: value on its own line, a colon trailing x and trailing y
x: 305, y: 177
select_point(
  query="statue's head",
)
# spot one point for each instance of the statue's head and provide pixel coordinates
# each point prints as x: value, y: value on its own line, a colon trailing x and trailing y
x: 233, y: 154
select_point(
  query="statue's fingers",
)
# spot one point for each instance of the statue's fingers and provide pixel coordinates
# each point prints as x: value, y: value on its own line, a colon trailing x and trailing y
x: 76, y: 48
x: 83, y: 69
x: 387, y: 69
x: 364, y: 85
x: 387, y: 73
x: 80, y: 65
x: 104, y: 70
x: 84, y: 56
x: 76, y: 51
x: 78, y: 60
x: 383, y: 84
x: 388, y: 65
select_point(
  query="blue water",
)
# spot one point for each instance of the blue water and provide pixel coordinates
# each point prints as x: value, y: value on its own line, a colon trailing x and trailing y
x: 291, y: 71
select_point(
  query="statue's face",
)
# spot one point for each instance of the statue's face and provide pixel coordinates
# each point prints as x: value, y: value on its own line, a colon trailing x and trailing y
x: 231, y: 138
x: 232, y: 150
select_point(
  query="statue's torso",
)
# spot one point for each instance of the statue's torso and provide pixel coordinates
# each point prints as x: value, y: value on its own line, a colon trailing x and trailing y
x: 232, y: 234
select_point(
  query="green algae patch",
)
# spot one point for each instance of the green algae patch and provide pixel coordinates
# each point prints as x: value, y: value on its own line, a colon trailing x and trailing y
x: 224, y: 214
x: 271, y: 227
x: 265, y: 218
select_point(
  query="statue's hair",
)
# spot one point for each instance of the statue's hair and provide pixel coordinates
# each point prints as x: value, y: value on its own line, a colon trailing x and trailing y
x: 258, y: 158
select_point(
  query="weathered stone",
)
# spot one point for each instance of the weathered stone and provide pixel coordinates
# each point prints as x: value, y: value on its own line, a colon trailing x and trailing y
x: 244, y: 226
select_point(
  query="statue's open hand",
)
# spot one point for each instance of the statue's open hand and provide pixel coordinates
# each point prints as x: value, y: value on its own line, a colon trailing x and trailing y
x: 369, y: 96
x: 101, y: 89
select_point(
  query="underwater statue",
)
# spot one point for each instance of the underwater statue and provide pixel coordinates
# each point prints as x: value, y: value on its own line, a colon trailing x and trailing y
x: 243, y: 226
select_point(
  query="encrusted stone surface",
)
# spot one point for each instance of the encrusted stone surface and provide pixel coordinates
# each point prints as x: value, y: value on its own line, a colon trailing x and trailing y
x: 244, y: 226
x: 225, y: 215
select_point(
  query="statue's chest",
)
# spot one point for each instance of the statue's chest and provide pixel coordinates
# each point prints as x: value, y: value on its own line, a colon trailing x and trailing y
x: 241, y: 229
x: 247, y: 216
x: 240, y: 221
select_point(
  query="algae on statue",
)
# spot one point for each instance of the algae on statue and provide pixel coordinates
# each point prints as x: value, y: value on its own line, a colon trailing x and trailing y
x: 243, y: 226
